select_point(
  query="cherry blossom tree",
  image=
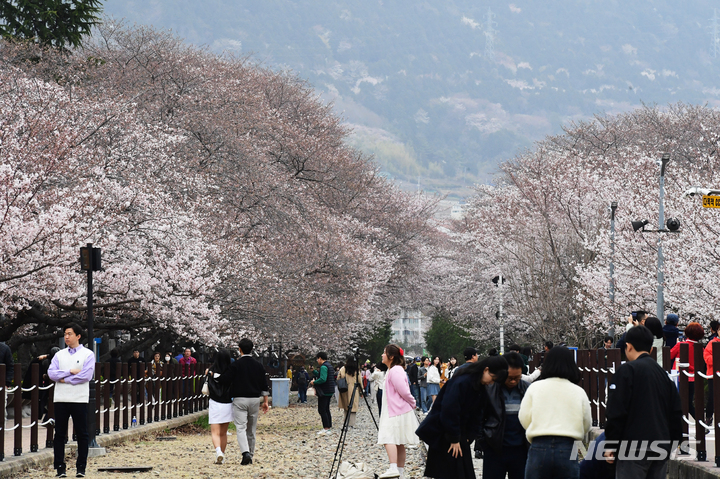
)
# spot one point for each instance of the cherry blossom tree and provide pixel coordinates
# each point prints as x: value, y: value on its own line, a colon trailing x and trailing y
x: 223, y: 183
x: 545, y: 223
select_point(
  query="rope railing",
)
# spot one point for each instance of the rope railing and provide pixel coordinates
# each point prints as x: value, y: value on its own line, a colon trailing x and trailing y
x: 132, y: 391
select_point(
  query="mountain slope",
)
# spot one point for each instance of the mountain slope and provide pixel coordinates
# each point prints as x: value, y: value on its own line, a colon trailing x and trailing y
x: 424, y: 93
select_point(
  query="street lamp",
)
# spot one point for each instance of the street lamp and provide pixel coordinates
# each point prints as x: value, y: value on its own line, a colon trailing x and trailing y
x: 90, y: 261
x: 672, y: 226
x: 499, y: 281
x: 611, y: 323
x: 661, y: 221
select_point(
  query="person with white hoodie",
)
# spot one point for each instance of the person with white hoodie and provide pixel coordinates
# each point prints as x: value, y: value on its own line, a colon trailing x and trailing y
x: 555, y: 413
x: 72, y: 369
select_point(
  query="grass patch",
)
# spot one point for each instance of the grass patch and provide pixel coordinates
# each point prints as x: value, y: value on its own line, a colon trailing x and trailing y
x: 204, y: 424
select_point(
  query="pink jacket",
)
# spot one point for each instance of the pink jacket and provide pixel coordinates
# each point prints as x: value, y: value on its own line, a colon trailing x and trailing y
x: 397, y: 392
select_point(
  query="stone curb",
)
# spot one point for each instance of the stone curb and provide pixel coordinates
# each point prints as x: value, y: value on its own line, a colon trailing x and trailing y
x: 15, y: 465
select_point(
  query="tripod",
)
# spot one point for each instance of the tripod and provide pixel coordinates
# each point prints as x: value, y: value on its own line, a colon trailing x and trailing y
x: 343, y: 432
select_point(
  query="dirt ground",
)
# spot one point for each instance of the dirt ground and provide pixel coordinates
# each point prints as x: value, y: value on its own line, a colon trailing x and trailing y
x: 287, y: 447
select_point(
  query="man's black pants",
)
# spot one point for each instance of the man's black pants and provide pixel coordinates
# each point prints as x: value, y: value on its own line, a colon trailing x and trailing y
x: 511, y: 462
x: 324, y: 410
x: 78, y: 412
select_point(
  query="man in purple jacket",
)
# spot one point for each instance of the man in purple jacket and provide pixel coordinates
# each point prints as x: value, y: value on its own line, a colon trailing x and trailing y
x: 72, y: 369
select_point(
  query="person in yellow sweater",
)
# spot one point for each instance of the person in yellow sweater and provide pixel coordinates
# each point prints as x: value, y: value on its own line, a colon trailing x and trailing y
x: 555, y: 413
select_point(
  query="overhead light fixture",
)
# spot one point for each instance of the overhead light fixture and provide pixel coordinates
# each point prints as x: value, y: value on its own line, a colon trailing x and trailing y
x: 637, y: 225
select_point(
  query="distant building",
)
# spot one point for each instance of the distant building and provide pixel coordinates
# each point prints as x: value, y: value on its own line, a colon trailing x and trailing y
x: 459, y: 210
x: 409, y: 330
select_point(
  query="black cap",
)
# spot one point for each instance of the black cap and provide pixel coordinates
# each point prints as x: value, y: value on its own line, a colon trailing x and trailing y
x: 469, y: 353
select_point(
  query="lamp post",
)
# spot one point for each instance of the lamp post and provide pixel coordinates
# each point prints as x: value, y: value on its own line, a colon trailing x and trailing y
x: 672, y: 226
x: 90, y: 261
x: 499, y: 280
x: 661, y: 221
x: 611, y: 322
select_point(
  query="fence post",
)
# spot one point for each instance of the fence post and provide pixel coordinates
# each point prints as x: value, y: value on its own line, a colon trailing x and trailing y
x: 602, y: 385
x: 98, y: 398
x: 141, y: 391
x: 592, y: 365
x: 196, y: 388
x: 17, y: 403
x: 116, y: 395
x: 699, y: 404
x: 164, y: 392
x: 106, y: 397
x: 150, y: 391
x: 683, y: 387
x: 666, y: 361
x: 182, y: 391
x: 50, y: 415
x: 175, y: 390
x: 126, y: 406
x: 157, y: 383
x: 34, y: 405
x: 133, y: 391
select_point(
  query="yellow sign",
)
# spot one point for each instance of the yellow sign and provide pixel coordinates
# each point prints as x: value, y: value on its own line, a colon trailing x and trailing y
x: 711, y: 201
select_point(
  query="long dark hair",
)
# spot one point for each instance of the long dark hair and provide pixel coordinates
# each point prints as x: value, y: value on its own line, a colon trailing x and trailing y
x: 495, y: 364
x: 350, y: 366
x: 222, y: 362
x: 560, y: 363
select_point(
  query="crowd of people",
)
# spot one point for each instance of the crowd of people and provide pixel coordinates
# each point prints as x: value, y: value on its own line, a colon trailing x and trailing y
x: 523, y: 424
x: 526, y: 424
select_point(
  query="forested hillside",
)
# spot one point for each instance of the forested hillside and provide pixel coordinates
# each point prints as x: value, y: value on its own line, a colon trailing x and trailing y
x: 444, y: 90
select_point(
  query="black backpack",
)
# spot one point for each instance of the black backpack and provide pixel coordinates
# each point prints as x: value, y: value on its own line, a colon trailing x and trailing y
x: 302, y: 378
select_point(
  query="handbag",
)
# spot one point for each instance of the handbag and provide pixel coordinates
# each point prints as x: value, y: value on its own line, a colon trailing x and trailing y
x: 342, y: 385
x: 206, y: 389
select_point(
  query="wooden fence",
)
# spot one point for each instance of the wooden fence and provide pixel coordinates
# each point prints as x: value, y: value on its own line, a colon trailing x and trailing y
x: 136, y: 393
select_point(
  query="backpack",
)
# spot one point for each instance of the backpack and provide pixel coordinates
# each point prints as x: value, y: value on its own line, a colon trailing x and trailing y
x: 302, y: 379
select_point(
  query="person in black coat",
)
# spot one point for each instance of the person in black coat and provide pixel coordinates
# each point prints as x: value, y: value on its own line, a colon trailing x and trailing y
x: 643, y: 407
x: 456, y: 419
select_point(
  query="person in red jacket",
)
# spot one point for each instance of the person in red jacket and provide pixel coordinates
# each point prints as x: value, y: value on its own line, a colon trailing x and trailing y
x: 693, y: 333
x: 707, y: 355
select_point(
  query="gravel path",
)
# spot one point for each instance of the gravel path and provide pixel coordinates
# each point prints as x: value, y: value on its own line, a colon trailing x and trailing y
x: 287, y: 447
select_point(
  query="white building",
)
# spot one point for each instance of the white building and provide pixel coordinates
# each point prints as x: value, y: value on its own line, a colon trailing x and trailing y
x: 458, y: 210
x: 409, y: 330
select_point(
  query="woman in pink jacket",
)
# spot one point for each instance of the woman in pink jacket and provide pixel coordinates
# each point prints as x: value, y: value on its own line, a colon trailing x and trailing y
x: 397, y: 420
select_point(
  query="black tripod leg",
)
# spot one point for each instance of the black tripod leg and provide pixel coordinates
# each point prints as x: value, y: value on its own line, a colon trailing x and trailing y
x: 371, y: 413
x: 343, y: 433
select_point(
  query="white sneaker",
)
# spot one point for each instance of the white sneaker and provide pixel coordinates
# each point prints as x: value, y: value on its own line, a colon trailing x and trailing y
x: 219, y: 458
x: 391, y: 473
x: 322, y: 432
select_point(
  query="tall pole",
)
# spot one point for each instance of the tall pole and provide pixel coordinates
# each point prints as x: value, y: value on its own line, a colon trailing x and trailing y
x: 500, y: 317
x: 611, y: 322
x: 91, y: 344
x: 661, y: 225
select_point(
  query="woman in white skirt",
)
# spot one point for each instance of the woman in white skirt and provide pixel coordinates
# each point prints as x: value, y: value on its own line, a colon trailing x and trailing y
x: 397, y: 419
x: 220, y: 411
